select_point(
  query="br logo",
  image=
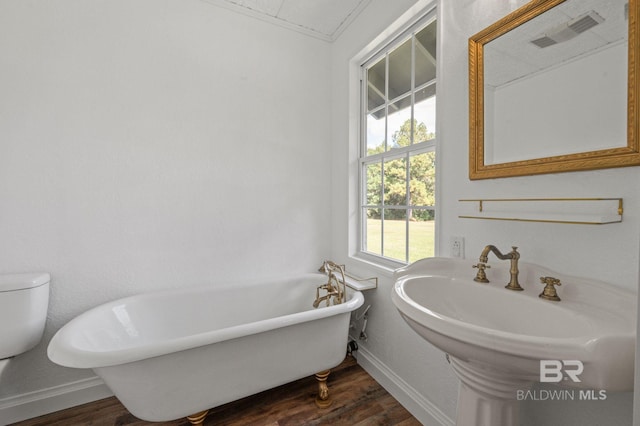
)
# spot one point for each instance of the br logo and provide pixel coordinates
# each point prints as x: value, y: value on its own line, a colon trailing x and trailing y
x: 554, y: 371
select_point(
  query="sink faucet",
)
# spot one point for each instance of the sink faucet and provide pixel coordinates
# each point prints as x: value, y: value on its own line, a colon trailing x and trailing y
x: 513, y: 256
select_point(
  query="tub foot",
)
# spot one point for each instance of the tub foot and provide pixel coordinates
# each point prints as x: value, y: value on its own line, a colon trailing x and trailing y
x: 323, y: 400
x: 198, y: 418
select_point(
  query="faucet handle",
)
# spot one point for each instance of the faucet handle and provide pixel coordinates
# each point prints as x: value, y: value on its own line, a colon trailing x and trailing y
x: 549, y: 292
x: 481, y: 276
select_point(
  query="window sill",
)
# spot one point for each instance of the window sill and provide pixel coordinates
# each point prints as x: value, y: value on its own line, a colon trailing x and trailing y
x: 376, y: 265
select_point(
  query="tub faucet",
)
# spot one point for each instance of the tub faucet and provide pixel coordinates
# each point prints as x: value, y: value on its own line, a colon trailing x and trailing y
x: 513, y: 256
x: 332, y: 287
x: 330, y: 293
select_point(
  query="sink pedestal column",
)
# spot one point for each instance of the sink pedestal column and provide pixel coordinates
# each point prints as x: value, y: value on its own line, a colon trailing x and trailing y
x: 487, y: 397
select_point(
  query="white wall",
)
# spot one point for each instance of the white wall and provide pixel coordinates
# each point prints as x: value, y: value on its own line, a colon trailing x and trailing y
x: 155, y: 144
x: 416, y: 370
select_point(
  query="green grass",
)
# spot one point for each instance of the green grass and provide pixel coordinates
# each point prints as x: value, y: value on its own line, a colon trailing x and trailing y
x: 421, y: 243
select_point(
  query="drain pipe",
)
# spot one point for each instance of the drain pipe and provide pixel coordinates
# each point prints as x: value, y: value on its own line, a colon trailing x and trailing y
x: 363, y: 335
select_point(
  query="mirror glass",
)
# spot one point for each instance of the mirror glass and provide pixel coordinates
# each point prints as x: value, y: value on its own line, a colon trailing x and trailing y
x: 559, y: 81
x: 550, y: 89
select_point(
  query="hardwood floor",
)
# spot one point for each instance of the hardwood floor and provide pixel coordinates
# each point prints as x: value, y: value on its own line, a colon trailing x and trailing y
x: 358, y: 400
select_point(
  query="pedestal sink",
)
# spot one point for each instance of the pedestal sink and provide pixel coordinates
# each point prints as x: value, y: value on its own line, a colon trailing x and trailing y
x: 497, y: 338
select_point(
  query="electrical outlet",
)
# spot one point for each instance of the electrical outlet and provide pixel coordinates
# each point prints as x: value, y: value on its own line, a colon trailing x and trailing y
x: 457, y: 247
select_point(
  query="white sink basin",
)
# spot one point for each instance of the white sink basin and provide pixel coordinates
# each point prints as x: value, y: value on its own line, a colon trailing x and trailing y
x: 494, y: 335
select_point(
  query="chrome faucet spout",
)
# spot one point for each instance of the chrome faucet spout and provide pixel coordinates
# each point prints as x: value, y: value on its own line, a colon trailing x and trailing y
x: 513, y: 256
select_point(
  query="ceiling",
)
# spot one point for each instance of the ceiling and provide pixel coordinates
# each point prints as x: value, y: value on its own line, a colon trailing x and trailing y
x: 323, y: 19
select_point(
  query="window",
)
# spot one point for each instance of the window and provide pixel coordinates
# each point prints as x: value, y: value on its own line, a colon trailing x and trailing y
x: 397, y: 151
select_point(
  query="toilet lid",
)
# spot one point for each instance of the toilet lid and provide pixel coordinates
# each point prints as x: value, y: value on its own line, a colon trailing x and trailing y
x: 12, y: 282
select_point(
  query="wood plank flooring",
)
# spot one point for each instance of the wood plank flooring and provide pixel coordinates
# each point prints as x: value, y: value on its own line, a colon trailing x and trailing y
x: 358, y: 400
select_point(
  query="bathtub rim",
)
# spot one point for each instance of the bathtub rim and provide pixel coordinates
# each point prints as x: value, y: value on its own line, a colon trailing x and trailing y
x: 62, y: 351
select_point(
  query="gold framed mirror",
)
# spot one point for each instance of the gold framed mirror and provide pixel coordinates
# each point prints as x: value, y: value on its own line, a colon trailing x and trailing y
x: 521, y: 119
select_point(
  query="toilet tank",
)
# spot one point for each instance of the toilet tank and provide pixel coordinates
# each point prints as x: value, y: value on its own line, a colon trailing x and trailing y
x: 24, y: 300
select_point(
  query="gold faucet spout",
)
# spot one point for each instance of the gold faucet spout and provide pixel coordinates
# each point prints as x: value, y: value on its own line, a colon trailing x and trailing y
x: 319, y: 300
x: 513, y: 256
x: 484, y: 256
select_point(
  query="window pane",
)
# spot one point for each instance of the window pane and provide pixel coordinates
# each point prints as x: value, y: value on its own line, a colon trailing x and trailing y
x: 375, y: 132
x: 421, y: 236
x: 376, y: 84
x: 395, y: 234
x: 425, y: 49
x: 400, y: 70
x: 373, y: 176
x: 397, y: 219
x: 399, y: 123
x: 395, y: 182
x: 372, y: 242
x: 422, y: 183
x: 425, y: 119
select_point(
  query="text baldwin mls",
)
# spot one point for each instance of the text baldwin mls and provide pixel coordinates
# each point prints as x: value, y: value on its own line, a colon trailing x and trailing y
x: 561, y: 395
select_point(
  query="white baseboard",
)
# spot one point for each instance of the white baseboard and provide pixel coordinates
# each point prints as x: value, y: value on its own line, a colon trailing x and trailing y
x: 38, y: 403
x: 420, y: 407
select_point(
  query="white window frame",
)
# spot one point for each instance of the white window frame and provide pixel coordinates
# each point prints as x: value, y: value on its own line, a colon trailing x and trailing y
x: 408, y: 30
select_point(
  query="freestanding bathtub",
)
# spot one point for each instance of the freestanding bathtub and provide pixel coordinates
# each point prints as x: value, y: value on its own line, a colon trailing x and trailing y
x: 171, y: 354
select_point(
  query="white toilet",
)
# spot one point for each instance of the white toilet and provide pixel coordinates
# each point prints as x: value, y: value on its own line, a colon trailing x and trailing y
x: 24, y: 300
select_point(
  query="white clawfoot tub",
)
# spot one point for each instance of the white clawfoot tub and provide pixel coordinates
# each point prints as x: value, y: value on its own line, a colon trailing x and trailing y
x: 171, y: 354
